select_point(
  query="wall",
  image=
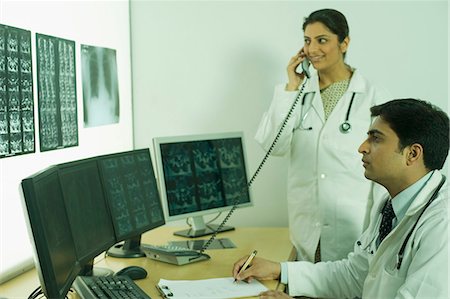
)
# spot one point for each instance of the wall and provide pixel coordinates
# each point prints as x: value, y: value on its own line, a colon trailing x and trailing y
x: 97, y: 23
x: 204, y: 67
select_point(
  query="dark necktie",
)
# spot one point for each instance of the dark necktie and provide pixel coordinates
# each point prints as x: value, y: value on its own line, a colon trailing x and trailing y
x: 386, y: 221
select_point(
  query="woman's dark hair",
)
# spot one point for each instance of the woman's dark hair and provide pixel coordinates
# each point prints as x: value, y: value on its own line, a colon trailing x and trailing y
x: 417, y: 121
x: 334, y: 20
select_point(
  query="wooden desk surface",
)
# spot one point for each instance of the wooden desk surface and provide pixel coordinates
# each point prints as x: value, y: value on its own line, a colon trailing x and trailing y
x: 271, y: 243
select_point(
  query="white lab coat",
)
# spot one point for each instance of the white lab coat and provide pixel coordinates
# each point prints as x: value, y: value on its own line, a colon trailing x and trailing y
x: 327, y: 193
x: 423, y: 272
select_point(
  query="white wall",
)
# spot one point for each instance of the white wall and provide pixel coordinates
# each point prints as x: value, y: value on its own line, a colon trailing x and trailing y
x: 203, y: 67
x: 97, y: 23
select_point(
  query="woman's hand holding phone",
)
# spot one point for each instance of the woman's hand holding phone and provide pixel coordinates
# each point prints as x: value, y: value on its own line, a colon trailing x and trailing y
x: 295, y: 78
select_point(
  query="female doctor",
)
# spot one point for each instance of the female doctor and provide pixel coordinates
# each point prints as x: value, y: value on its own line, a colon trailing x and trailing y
x: 327, y: 125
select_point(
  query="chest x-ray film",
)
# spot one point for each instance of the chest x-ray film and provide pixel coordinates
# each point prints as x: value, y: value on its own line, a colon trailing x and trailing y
x: 100, y: 86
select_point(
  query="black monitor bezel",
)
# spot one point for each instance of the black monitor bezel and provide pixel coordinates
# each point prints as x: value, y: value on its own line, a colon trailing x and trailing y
x: 39, y: 240
x: 86, y: 259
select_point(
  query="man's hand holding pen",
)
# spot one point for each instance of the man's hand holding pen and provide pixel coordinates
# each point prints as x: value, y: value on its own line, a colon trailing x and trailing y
x: 257, y: 268
x: 246, y: 264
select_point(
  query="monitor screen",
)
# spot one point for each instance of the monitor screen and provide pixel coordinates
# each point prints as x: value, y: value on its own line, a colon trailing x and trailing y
x: 199, y: 175
x: 55, y: 255
x: 87, y: 210
x: 77, y: 210
x: 132, y: 196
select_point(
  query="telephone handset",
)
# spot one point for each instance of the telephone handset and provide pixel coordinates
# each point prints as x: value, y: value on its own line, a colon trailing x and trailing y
x: 305, y: 68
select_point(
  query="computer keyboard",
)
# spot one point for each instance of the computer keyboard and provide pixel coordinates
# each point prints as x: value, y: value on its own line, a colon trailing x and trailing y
x: 109, y: 287
x: 173, y: 254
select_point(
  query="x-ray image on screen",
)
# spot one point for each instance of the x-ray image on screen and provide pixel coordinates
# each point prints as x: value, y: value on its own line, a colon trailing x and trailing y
x: 232, y: 168
x: 100, y: 86
x: 203, y: 175
x: 200, y: 175
x: 208, y: 175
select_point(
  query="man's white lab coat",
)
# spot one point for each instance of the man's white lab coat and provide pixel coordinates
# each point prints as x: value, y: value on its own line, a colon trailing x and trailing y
x: 369, y: 272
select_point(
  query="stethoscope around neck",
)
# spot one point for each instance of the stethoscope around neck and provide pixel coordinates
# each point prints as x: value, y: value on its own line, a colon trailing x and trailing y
x: 432, y: 198
x: 401, y: 252
x: 345, y: 127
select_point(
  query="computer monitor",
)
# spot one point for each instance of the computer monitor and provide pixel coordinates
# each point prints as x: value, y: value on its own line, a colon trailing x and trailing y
x: 200, y: 175
x: 87, y: 210
x: 79, y: 209
x: 132, y: 195
x: 54, y: 247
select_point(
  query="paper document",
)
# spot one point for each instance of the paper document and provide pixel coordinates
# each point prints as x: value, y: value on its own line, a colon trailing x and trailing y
x: 215, y: 288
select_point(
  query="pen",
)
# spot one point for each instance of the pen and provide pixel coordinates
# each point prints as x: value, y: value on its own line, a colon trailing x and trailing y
x: 247, y: 263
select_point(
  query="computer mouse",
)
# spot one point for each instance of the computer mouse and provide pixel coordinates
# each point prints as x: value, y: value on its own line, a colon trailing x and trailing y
x: 133, y: 272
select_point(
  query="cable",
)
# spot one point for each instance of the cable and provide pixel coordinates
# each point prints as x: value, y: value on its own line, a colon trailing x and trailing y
x: 206, y: 223
x: 258, y: 169
x: 212, y: 220
x: 38, y: 291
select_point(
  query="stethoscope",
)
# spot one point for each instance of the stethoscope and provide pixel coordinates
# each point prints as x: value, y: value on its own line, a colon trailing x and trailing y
x: 401, y: 252
x: 345, y: 127
x: 433, y: 197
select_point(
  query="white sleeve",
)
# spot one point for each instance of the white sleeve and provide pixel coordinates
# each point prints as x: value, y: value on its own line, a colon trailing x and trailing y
x: 427, y: 269
x: 274, y: 117
x: 338, y: 279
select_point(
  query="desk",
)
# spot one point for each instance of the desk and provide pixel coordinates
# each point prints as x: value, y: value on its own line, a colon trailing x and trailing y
x: 271, y: 243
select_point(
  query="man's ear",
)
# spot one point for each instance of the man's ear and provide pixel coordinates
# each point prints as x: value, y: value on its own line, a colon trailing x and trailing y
x: 414, y: 154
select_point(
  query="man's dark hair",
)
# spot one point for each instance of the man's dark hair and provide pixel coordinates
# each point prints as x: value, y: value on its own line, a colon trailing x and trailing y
x: 417, y: 121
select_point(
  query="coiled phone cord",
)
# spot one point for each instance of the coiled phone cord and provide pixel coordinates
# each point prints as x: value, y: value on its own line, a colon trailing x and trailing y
x: 263, y: 161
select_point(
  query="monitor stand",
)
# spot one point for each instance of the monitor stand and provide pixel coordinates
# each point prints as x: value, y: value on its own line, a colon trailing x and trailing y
x: 89, y: 270
x: 199, y: 229
x: 129, y: 249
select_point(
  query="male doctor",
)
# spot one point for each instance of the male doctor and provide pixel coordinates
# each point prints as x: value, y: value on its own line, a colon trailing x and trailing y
x: 404, y: 251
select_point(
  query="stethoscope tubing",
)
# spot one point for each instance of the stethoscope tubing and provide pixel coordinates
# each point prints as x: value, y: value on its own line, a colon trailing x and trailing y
x: 432, y: 198
x: 400, y: 254
x: 345, y: 127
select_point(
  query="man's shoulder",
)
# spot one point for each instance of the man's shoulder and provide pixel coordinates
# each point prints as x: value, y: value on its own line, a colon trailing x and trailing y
x: 435, y: 217
x: 439, y: 207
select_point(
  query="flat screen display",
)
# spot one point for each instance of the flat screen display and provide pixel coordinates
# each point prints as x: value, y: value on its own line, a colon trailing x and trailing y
x: 55, y: 254
x: 132, y: 193
x: 86, y: 208
x: 201, y: 174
